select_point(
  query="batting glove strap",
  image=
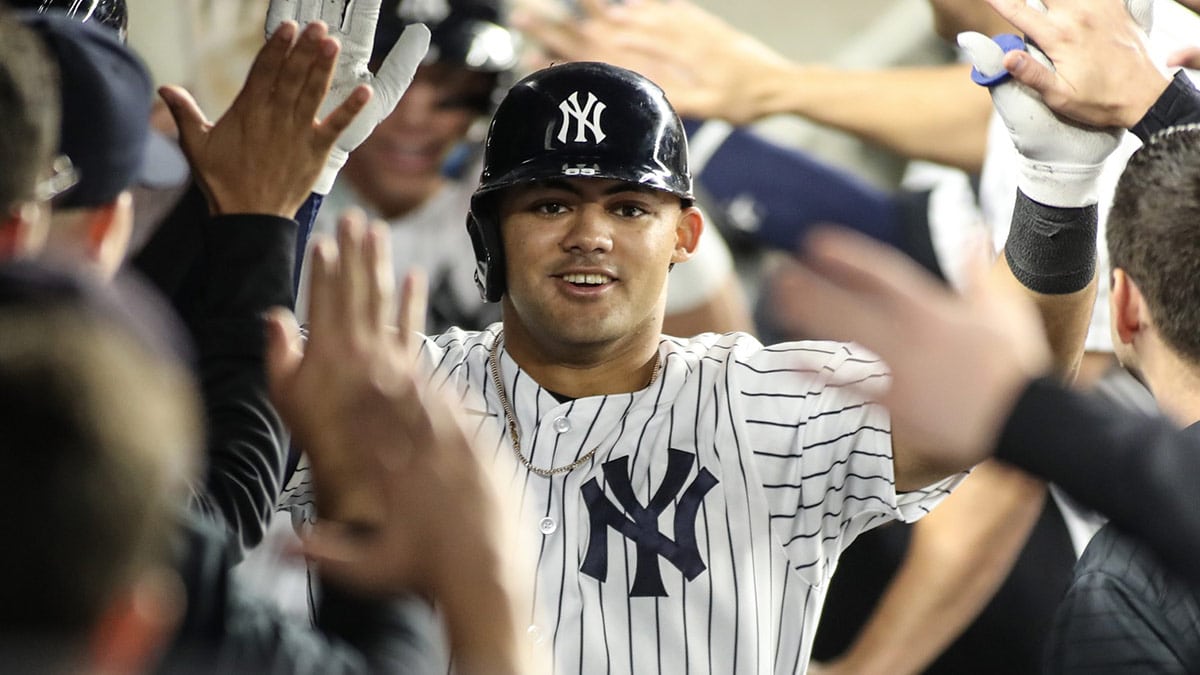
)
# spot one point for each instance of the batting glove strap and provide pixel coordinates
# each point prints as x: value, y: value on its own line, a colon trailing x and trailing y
x: 1059, y: 184
x: 333, y: 164
x: 1052, y: 250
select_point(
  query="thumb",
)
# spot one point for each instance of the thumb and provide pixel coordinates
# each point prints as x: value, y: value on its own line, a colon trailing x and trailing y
x: 982, y: 51
x: 1188, y: 57
x: 188, y: 117
x: 283, y: 350
x: 1030, y: 72
x: 401, y: 63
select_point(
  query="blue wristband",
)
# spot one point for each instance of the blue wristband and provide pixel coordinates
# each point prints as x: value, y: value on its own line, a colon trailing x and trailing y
x: 1008, y: 42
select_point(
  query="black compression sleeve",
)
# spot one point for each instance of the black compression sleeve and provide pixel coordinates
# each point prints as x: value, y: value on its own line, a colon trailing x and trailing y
x: 1178, y: 104
x: 1052, y: 250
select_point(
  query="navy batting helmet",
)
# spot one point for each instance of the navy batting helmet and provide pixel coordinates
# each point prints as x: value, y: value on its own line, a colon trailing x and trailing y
x: 574, y: 120
x: 111, y: 13
x: 466, y: 33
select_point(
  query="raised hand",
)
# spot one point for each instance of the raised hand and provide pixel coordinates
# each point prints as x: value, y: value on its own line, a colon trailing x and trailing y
x: 266, y: 151
x: 352, y: 23
x: 1101, y: 73
x: 1061, y: 159
x: 958, y: 362
x: 337, y: 395
x: 697, y: 58
x: 404, y: 502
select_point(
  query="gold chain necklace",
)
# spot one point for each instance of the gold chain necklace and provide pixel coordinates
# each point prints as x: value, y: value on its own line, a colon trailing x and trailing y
x: 510, y: 419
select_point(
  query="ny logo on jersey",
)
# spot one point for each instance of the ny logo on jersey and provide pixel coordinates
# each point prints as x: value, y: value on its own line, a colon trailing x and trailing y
x: 571, y: 111
x: 641, y: 523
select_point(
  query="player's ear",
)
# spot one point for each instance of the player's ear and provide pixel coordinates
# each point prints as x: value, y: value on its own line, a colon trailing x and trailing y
x: 137, y: 624
x: 108, y: 231
x: 22, y: 231
x: 688, y: 229
x: 1125, y: 306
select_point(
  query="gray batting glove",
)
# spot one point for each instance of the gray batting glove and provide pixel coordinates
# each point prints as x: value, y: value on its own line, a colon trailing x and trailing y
x: 355, y: 30
x: 1060, y: 161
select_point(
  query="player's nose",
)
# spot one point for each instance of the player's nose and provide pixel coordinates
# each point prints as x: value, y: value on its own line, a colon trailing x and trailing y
x: 588, y: 230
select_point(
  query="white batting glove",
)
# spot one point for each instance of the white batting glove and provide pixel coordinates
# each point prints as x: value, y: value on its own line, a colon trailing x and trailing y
x: 352, y: 22
x: 1060, y: 161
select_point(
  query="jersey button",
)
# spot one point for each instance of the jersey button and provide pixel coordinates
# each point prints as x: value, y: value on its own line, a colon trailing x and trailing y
x: 547, y: 525
x: 535, y: 634
x: 562, y: 425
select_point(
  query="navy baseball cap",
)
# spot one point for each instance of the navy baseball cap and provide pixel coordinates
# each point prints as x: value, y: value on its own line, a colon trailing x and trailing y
x: 106, y: 99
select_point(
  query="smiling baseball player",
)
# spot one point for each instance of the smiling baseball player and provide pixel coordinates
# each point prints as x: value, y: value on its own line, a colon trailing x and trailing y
x: 689, y: 498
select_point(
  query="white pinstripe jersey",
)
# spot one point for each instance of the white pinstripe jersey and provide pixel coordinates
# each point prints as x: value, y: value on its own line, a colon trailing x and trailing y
x: 742, y: 468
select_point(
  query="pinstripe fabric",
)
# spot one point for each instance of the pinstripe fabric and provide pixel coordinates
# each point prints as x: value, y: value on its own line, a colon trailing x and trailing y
x: 802, y: 465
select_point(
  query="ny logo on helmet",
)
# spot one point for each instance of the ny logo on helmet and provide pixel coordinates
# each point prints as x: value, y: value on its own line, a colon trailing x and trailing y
x: 571, y: 111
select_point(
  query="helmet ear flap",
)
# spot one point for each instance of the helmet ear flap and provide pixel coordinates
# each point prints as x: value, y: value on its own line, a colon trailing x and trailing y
x: 489, y: 255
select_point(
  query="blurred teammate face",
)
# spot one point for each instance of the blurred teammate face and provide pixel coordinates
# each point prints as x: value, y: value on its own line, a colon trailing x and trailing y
x: 399, y: 165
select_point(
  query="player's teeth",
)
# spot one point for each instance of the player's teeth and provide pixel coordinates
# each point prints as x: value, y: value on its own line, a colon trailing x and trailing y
x: 590, y: 279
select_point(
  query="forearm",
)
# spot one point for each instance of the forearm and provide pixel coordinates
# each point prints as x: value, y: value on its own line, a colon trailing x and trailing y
x: 1140, y: 471
x: 1178, y: 104
x: 932, y: 113
x: 958, y: 556
x: 1050, y: 256
x: 248, y: 265
x: 478, y: 607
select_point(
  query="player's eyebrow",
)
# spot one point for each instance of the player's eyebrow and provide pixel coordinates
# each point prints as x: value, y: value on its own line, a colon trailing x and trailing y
x: 615, y: 188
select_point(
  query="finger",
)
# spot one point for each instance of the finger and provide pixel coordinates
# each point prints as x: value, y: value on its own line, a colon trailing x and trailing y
x: 283, y: 353
x: 360, y: 22
x: 1028, y: 71
x: 343, y: 556
x: 401, y: 63
x: 414, y: 306
x: 352, y: 279
x: 413, y: 413
x: 340, y: 118
x: 593, y: 8
x: 316, y: 84
x: 381, y: 289
x: 293, y: 71
x: 1188, y: 57
x: 189, y: 119
x: 1023, y: 17
x: 982, y: 51
x: 267, y: 62
x: 561, y: 39
x: 865, y: 265
x: 323, y: 314
x: 813, y: 306
x: 278, y: 12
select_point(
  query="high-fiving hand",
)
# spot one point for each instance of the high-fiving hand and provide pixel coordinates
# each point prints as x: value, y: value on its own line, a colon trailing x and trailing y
x: 1061, y: 158
x: 352, y: 23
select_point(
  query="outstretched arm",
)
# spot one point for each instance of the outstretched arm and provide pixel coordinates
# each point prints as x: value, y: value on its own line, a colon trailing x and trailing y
x: 711, y: 70
x: 957, y: 557
x: 256, y: 165
x: 405, y: 502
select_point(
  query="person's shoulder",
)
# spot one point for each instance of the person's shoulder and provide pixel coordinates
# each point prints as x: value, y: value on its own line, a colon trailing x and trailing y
x: 455, y: 345
x: 1115, y: 559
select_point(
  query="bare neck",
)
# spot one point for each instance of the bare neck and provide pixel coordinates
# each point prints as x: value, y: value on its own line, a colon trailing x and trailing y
x: 580, y: 370
x: 1174, y: 381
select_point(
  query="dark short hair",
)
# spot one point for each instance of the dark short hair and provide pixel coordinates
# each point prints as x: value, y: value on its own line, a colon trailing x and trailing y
x: 29, y: 111
x: 1153, y: 233
x: 98, y: 428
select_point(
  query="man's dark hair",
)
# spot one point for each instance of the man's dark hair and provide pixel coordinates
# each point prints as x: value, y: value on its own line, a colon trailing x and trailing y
x: 29, y: 108
x: 98, y: 431
x: 1154, y: 233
